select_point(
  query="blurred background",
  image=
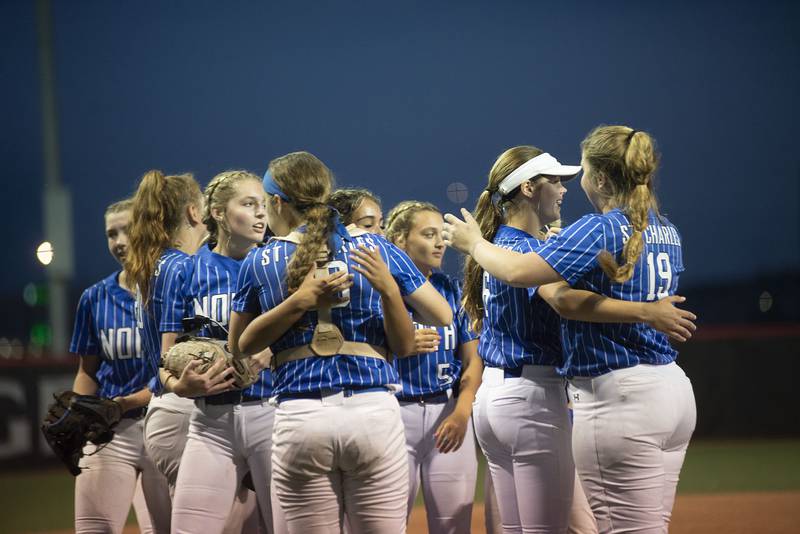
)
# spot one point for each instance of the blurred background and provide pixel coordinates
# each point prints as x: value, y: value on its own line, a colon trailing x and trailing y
x: 414, y: 100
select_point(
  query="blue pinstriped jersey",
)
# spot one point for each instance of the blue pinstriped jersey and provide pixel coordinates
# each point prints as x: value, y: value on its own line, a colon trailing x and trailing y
x: 166, y: 307
x: 262, y: 286
x: 105, y: 326
x: 210, y: 290
x: 432, y: 372
x: 519, y: 328
x: 592, y: 349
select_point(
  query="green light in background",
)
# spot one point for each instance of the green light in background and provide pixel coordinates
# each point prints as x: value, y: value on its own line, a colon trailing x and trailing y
x: 41, y: 334
x: 35, y: 294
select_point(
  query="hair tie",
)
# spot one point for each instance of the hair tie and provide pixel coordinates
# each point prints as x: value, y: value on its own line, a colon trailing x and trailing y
x: 630, y: 136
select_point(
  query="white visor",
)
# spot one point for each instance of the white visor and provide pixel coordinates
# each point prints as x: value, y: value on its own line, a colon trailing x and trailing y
x: 542, y: 164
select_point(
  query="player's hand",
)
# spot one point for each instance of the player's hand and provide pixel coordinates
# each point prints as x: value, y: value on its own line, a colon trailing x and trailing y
x: 461, y: 235
x: 260, y: 361
x: 315, y: 293
x: 370, y: 264
x: 552, y: 231
x: 450, y: 434
x: 218, y: 378
x: 426, y: 340
x: 665, y: 317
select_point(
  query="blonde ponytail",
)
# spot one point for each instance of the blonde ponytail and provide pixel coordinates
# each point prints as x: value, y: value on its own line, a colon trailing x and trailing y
x: 628, y: 160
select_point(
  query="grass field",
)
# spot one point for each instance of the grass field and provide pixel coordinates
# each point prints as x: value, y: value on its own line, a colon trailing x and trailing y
x: 36, y: 501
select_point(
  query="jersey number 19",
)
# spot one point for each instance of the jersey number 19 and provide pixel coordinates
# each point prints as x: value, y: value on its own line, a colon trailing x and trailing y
x: 658, y: 266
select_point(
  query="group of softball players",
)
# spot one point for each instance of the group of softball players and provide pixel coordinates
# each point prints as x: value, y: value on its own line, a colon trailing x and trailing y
x: 378, y: 372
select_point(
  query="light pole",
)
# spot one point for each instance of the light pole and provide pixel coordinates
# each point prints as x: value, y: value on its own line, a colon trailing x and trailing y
x: 57, y: 203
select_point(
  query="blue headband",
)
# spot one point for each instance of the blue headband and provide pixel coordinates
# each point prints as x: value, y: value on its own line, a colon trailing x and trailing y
x: 272, y: 188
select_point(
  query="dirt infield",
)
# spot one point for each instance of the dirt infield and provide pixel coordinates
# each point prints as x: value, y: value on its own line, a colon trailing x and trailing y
x: 734, y: 513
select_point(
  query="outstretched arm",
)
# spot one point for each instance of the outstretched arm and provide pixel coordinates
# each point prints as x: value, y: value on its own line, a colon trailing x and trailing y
x: 582, y: 305
x: 512, y: 268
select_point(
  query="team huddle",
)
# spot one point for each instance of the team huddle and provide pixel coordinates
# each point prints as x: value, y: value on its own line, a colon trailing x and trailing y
x: 375, y: 372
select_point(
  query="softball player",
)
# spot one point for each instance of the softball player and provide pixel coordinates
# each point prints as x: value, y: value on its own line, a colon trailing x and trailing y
x: 634, y: 407
x: 338, y: 439
x: 359, y: 207
x: 438, y: 383
x: 111, y: 366
x: 521, y: 417
x: 230, y: 434
x: 167, y: 227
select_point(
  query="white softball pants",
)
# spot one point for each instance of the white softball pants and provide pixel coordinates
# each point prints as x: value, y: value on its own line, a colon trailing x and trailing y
x: 522, y: 425
x: 341, y: 454
x: 165, y: 429
x: 448, y: 480
x: 632, y: 428
x: 581, y: 519
x: 110, y: 478
x: 224, y: 443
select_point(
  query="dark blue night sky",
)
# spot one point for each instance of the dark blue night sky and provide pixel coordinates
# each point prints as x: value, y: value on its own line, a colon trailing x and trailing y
x: 408, y: 97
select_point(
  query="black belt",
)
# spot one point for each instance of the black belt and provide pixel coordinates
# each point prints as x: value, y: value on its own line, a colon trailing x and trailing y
x: 515, y: 372
x: 136, y: 413
x: 437, y: 397
x: 320, y: 394
x: 230, y: 397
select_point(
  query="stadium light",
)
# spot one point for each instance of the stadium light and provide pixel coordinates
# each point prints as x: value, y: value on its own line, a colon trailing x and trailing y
x: 45, y: 253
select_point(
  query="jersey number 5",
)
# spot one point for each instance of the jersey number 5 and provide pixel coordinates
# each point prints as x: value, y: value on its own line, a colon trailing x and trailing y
x: 443, y: 373
x: 658, y: 266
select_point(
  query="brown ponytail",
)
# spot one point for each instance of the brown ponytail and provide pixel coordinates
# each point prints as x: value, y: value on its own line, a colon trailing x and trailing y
x: 308, y: 184
x: 490, y: 214
x: 159, y: 208
x: 628, y: 160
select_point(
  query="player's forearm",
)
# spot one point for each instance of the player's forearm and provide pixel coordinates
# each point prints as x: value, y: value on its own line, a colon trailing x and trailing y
x: 84, y: 384
x: 268, y: 327
x: 429, y: 306
x: 513, y: 268
x: 471, y: 373
x: 134, y: 400
x: 581, y: 305
x: 397, y: 324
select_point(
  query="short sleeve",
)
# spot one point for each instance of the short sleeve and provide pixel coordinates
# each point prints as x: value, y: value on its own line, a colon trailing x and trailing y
x: 154, y: 384
x: 406, y: 274
x: 175, y: 304
x: 465, y: 332
x: 246, y: 298
x: 84, y: 335
x: 574, y: 251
